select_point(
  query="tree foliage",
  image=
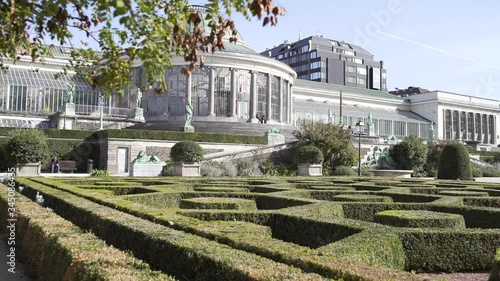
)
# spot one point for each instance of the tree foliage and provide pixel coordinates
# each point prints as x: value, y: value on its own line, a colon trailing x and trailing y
x: 334, y: 142
x: 27, y: 146
x: 148, y: 30
x: 410, y: 154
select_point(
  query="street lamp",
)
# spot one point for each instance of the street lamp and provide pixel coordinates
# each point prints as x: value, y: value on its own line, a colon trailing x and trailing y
x: 359, y: 127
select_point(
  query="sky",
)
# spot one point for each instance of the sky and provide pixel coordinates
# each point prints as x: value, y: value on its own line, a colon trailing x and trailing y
x: 448, y: 45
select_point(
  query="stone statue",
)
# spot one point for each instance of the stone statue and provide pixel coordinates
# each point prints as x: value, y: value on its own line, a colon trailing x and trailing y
x: 370, y: 120
x: 274, y: 131
x: 189, y: 114
x: 386, y: 161
x: 392, y: 139
x: 431, y: 131
x: 138, y: 98
x: 375, y: 157
x: 70, y: 92
x: 143, y: 158
x: 330, y: 115
x: 341, y: 122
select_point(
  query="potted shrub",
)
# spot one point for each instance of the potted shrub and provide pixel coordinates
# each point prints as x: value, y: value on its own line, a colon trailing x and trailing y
x: 26, y: 149
x: 186, y: 156
x: 309, y: 161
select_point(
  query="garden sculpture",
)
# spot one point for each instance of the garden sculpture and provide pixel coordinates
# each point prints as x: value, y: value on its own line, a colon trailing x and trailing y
x: 138, y: 98
x: 431, y: 131
x: 330, y: 115
x: 70, y: 93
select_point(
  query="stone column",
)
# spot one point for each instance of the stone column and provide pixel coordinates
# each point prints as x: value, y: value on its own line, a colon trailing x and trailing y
x: 189, y: 94
x: 451, y: 125
x: 289, y: 97
x: 459, y: 122
x: 253, y: 98
x: 466, y: 126
x: 280, y: 101
x: 268, y: 97
x: 487, y: 129
x: 211, y: 92
x: 232, y: 106
x: 480, y: 131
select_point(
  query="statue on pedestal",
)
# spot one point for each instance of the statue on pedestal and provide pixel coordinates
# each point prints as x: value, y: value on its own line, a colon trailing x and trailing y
x: 369, y: 123
x: 70, y: 92
x: 431, y: 131
x: 330, y: 115
x: 138, y: 98
x: 189, y: 114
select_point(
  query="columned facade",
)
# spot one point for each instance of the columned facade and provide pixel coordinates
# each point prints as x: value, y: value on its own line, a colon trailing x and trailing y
x: 469, y: 126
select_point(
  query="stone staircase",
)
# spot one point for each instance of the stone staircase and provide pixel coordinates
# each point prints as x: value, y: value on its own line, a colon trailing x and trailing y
x: 233, y: 128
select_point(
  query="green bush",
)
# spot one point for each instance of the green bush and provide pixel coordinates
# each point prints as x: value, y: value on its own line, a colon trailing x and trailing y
x: 476, y: 172
x: 410, y: 154
x: 344, y: 171
x: 186, y: 151
x: 27, y: 146
x: 490, y: 172
x: 365, y: 172
x: 99, y: 173
x: 245, y: 168
x: 434, y: 153
x: 333, y: 141
x: 420, y: 219
x: 53, y: 248
x: 454, y: 163
x: 309, y: 154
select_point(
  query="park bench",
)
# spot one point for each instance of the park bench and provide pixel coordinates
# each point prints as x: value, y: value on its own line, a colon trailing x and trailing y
x: 67, y: 165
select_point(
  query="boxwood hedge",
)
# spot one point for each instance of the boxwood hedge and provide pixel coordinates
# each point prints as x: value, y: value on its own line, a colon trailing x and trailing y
x: 54, y: 249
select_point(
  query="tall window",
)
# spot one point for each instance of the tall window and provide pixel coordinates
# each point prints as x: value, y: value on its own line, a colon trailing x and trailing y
x: 200, y: 91
x: 261, y: 94
x: 243, y: 94
x: 275, y: 85
x: 222, y: 91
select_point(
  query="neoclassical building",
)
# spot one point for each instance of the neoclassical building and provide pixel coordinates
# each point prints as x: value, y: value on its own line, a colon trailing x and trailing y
x: 236, y: 87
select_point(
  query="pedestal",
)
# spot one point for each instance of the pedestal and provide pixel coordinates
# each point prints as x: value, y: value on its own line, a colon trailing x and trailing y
x: 187, y: 170
x: 189, y: 129
x: 371, y: 131
x: 306, y: 169
x: 146, y: 169
x: 138, y: 114
x: 69, y: 109
x: 28, y: 169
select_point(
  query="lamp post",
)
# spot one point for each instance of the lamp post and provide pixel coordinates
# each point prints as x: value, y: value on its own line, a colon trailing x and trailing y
x: 359, y: 127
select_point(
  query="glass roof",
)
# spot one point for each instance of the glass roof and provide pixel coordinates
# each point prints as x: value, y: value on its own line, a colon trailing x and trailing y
x: 42, y: 79
x: 360, y: 111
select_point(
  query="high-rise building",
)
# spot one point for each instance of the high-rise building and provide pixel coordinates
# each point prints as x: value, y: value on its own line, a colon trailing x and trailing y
x: 320, y: 59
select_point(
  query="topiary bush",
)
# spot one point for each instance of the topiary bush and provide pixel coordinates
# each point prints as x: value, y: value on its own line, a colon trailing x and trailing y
x: 344, y: 171
x: 309, y: 154
x: 187, y: 152
x: 26, y: 146
x: 454, y: 163
x: 476, y: 172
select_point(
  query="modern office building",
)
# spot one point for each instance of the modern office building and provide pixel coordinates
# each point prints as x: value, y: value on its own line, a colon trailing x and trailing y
x: 320, y: 59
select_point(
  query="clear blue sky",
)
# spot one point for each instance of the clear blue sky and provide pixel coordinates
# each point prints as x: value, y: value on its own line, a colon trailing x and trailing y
x: 455, y: 43
x: 449, y: 45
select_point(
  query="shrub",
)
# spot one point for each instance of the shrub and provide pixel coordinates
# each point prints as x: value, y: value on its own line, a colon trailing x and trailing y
x: 410, y: 154
x: 27, y: 146
x: 454, y: 163
x: 186, y: 151
x: 344, y: 171
x: 245, y: 167
x: 99, y: 173
x: 309, y: 154
x: 434, y: 153
x: 490, y: 172
x: 416, y: 218
x: 365, y: 172
x: 334, y: 142
x: 476, y: 172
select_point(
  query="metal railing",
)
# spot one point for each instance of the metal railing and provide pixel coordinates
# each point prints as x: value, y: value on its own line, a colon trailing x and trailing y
x: 107, y: 111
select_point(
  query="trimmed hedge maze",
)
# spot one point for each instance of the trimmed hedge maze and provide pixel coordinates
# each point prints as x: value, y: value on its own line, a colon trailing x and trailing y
x: 257, y: 228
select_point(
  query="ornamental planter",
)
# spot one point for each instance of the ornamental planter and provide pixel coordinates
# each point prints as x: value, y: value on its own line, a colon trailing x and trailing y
x: 187, y: 170
x: 393, y: 173
x: 28, y: 169
x: 307, y: 169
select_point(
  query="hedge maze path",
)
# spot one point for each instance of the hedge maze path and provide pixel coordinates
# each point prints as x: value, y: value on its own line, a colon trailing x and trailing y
x: 285, y: 228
